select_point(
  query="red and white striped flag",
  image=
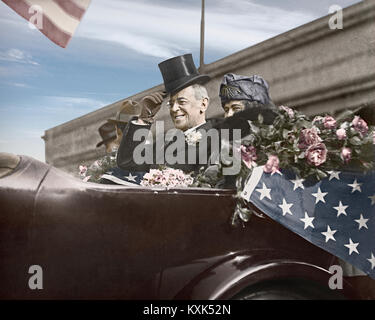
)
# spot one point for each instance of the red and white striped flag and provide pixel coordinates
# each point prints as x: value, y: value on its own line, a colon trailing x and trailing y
x: 56, y: 19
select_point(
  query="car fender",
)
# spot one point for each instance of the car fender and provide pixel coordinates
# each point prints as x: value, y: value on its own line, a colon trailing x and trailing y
x: 245, y: 269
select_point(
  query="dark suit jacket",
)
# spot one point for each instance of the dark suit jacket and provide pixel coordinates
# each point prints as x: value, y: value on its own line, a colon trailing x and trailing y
x: 168, y: 150
x: 239, y: 121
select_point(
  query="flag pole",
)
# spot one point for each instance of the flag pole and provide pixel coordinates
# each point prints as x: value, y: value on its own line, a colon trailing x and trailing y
x: 201, y: 61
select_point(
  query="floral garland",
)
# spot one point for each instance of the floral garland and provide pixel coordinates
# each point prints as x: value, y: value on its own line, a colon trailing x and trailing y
x: 163, y: 178
x: 311, y: 148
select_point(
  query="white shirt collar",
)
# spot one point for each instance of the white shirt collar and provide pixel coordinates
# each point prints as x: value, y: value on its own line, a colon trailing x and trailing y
x: 194, y: 128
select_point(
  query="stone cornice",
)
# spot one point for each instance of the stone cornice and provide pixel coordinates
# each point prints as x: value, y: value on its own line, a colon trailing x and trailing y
x: 357, y: 14
x: 332, y: 92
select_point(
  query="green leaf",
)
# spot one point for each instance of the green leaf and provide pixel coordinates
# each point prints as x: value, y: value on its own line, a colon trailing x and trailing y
x: 285, y: 133
x: 355, y: 141
x: 321, y: 174
x: 277, y: 145
x: 271, y: 130
x: 253, y: 127
x: 347, y: 114
x: 304, y: 124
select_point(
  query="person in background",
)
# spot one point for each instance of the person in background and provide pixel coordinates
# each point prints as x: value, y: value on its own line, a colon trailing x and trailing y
x: 111, y: 131
x: 108, y: 134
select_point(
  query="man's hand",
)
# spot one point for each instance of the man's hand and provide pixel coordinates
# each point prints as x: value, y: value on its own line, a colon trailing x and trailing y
x: 151, y: 104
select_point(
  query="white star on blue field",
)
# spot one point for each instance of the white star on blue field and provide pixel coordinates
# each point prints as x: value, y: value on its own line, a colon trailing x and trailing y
x: 115, y: 53
x: 337, y: 214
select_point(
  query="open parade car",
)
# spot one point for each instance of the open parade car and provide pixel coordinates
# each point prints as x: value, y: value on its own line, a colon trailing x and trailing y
x: 95, y: 241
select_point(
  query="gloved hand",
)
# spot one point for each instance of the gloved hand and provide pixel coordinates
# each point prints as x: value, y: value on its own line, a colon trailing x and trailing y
x: 151, y: 104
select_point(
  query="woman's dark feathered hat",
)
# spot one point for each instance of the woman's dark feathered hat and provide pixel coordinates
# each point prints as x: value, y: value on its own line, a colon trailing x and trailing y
x: 237, y: 87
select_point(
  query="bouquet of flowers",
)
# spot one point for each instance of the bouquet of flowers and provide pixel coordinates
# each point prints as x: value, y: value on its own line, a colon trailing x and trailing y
x: 311, y: 148
x: 167, y: 178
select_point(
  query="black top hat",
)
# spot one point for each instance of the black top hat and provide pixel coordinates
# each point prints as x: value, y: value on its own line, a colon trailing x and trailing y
x: 180, y: 72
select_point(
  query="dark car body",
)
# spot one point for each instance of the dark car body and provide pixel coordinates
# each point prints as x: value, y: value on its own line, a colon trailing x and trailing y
x: 96, y: 241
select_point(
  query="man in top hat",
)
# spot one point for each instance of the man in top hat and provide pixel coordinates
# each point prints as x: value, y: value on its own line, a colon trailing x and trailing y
x: 188, y: 103
x: 238, y: 93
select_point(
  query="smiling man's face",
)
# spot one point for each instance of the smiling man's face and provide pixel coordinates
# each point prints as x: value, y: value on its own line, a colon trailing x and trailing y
x: 186, y: 111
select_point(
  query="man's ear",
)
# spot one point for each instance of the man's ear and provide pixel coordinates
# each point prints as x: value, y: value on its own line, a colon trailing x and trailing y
x: 204, y: 104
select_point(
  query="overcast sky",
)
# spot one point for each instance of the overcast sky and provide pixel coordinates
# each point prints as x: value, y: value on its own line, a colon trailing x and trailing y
x: 115, y: 53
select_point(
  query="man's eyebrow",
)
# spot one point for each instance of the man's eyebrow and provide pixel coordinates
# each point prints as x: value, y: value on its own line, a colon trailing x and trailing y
x: 178, y: 99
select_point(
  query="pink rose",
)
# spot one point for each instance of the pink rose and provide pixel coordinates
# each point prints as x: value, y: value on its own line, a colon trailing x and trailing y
x: 329, y: 122
x: 308, y: 137
x: 248, y: 155
x: 316, y: 154
x: 360, y: 125
x: 346, y: 154
x: 272, y: 164
x: 288, y: 110
x: 341, y: 134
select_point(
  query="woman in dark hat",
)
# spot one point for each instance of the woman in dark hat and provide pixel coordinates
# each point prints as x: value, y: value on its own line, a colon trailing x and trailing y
x: 238, y: 93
